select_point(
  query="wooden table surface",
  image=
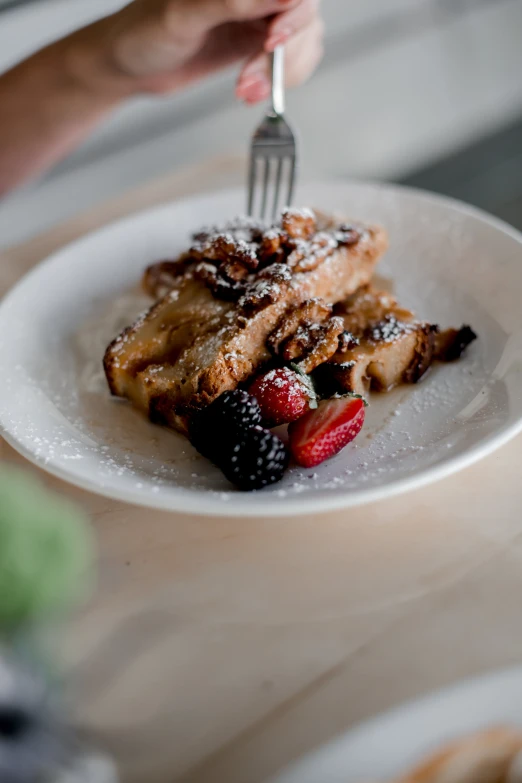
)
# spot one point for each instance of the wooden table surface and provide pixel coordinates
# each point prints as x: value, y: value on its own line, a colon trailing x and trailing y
x: 219, y: 650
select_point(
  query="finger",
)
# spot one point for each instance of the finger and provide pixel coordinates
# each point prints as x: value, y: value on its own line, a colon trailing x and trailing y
x: 153, y: 36
x: 290, y: 23
x: 197, y: 16
x: 303, y: 54
x: 253, y: 83
x: 228, y: 43
x: 255, y: 93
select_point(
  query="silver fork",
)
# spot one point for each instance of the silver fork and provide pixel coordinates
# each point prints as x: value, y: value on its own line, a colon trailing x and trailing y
x: 273, y: 155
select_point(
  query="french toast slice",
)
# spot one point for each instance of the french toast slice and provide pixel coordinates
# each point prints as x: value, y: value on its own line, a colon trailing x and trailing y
x: 223, y: 300
x: 385, y: 345
x: 492, y: 755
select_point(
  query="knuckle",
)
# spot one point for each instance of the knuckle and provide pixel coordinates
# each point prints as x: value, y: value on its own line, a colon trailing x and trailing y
x: 234, y: 8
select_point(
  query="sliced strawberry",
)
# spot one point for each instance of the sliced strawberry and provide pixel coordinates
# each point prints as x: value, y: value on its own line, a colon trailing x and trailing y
x: 283, y: 395
x: 320, y: 434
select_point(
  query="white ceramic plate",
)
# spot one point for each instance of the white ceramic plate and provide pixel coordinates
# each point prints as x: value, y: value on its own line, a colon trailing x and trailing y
x: 393, y: 743
x: 450, y: 263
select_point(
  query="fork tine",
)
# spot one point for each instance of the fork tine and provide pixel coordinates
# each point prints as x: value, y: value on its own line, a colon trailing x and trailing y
x: 291, y: 186
x: 273, y: 152
x: 265, y: 188
x: 277, y: 187
x: 251, y: 184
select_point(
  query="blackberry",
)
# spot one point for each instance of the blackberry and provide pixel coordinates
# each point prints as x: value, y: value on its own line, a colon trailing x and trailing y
x: 237, y: 409
x: 203, y: 439
x: 219, y: 424
x: 256, y: 459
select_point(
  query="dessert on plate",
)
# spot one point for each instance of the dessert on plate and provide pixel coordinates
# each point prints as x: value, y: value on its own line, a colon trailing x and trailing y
x: 490, y: 756
x: 256, y: 326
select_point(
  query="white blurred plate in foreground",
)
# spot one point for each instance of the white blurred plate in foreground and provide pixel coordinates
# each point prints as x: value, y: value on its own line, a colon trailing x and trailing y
x: 396, y: 741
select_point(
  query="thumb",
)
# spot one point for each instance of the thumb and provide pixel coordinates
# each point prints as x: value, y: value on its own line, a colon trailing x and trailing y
x: 199, y: 16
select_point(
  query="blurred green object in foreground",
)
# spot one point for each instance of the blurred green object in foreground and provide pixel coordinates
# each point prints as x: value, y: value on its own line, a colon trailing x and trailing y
x: 45, y: 552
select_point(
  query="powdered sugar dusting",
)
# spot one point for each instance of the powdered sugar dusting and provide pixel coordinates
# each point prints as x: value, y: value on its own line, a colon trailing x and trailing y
x: 241, y: 227
x: 393, y: 437
x: 126, y: 447
x: 283, y: 378
x: 57, y: 407
x: 304, y: 213
x: 390, y: 329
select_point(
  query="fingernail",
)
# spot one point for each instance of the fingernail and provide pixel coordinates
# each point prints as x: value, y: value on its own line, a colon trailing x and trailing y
x: 249, y: 81
x: 281, y: 31
x: 254, y: 95
x: 254, y: 73
x: 252, y: 86
x: 276, y: 40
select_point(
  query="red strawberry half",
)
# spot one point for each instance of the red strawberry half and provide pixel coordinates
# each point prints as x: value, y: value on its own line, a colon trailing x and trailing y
x: 283, y: 395
x: 321, y: 433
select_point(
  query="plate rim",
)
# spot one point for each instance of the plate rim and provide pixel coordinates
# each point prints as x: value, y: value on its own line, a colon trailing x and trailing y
x: 257, y: 504
x: 205, y: 505
x: 486, y: 680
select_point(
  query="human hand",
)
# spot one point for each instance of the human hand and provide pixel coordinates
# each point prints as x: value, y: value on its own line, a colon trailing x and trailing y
x: 59, y: 94
x: 161, y: 45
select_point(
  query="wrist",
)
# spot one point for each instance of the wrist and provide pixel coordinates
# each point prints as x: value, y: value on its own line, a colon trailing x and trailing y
x: 130, y: 53
x: 89, y: 64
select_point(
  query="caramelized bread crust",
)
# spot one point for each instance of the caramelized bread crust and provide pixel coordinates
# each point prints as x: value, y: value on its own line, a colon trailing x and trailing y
x: 193, y: 344
x: 385, y: 345
x: 487, y: 757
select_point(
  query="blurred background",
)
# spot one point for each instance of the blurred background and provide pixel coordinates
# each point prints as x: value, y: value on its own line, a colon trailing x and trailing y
x: 427, y: 92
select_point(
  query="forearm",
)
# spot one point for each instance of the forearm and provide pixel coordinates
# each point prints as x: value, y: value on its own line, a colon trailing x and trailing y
x: 49, y: 104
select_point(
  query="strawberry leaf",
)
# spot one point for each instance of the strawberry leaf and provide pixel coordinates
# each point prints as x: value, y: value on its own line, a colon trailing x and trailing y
x: 308, y: 382
x: 353, y: 395
x: 296, y: 368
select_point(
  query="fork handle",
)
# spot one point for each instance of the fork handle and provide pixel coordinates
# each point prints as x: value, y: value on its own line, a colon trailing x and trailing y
x: 278, y: 80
